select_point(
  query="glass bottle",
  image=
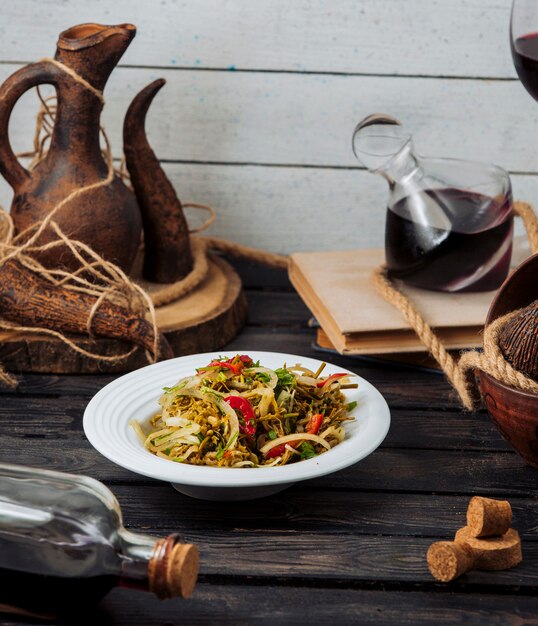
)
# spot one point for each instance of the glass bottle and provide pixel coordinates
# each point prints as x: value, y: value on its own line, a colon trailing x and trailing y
x: 63, y: 546
x: 449, y: 224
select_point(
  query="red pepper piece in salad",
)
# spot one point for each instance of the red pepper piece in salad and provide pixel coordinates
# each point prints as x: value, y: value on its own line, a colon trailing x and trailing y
x: 277, y: 451
x: 312, y: 428
x: 236, y: 369
x: 332, y: 377
x: 314, y: 424
x: 242, y: 404
x: 235, y: 365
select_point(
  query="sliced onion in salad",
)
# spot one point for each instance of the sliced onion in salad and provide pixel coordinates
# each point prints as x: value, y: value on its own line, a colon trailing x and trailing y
x: 168, y: 397
x: 307, y: 380
x: 176, y: 421
x: 295, y: 437
x: 267, y: 397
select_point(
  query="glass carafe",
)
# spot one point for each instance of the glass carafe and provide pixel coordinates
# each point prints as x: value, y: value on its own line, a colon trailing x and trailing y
x: 449, y: 222
x: 63, y: 546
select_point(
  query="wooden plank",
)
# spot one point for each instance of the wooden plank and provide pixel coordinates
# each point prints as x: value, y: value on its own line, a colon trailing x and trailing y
x: 294, y: 209
x: 254, y: 205
x: 357, y: 558
x: 269, y: 308
x: 214, y: 116
x: 437, y: 429
x: 438, y: 471
x: 288, y: 209
x: 255, y: 276
x: 299, y: 510
x: 56, y: 386
x: 217, y: 604
x: 402, y: 387
x: 73, y: 454
x: 439, y: 38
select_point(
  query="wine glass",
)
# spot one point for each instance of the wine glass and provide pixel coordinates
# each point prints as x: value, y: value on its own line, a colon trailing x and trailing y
x: 524, y: 43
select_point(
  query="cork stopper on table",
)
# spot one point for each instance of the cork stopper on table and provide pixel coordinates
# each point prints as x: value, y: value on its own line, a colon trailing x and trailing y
x: 492, y: 553
x: 448, y: 560
x: 486, y: 543
x: 487, y: 517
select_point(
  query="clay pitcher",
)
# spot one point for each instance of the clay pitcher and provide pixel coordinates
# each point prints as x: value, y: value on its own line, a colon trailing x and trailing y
x: 107, y: 218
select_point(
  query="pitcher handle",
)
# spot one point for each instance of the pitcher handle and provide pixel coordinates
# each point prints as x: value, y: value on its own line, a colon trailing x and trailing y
x: 13, y: 88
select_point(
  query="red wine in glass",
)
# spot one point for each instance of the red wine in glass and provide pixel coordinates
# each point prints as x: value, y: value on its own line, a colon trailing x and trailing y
x: 525, y: 56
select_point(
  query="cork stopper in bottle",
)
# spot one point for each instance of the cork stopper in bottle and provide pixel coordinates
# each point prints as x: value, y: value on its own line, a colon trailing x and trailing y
x: 448, y: 560
x: 487, y: 517
x: 173, y: 568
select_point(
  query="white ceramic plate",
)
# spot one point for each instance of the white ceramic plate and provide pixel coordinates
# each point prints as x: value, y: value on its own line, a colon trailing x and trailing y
x: 134, y: 397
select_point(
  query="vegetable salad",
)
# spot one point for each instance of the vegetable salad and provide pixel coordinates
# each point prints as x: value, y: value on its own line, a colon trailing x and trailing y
x: 237, y: 413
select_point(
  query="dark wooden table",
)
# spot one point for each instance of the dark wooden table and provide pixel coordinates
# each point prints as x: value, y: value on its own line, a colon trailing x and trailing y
x: 348, y: 548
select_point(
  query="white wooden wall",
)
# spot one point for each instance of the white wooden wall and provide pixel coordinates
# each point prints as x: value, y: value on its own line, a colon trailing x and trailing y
x: 263, y: 95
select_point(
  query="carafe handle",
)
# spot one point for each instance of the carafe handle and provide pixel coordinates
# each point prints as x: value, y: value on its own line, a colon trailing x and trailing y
x: 14, y: 87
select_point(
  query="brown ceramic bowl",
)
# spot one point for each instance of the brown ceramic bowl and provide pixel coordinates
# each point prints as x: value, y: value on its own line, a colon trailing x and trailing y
x: 514, y: 412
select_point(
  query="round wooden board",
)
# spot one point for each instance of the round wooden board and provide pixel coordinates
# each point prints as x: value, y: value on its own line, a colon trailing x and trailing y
x: 202, y: 321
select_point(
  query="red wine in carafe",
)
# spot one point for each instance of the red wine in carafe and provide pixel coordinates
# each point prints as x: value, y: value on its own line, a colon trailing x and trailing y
x: 467, y: 249
x: 525, y: 56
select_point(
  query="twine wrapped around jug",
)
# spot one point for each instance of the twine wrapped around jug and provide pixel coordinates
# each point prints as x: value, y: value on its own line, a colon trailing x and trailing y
x: 460, y: 372
x: 100, y: 283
